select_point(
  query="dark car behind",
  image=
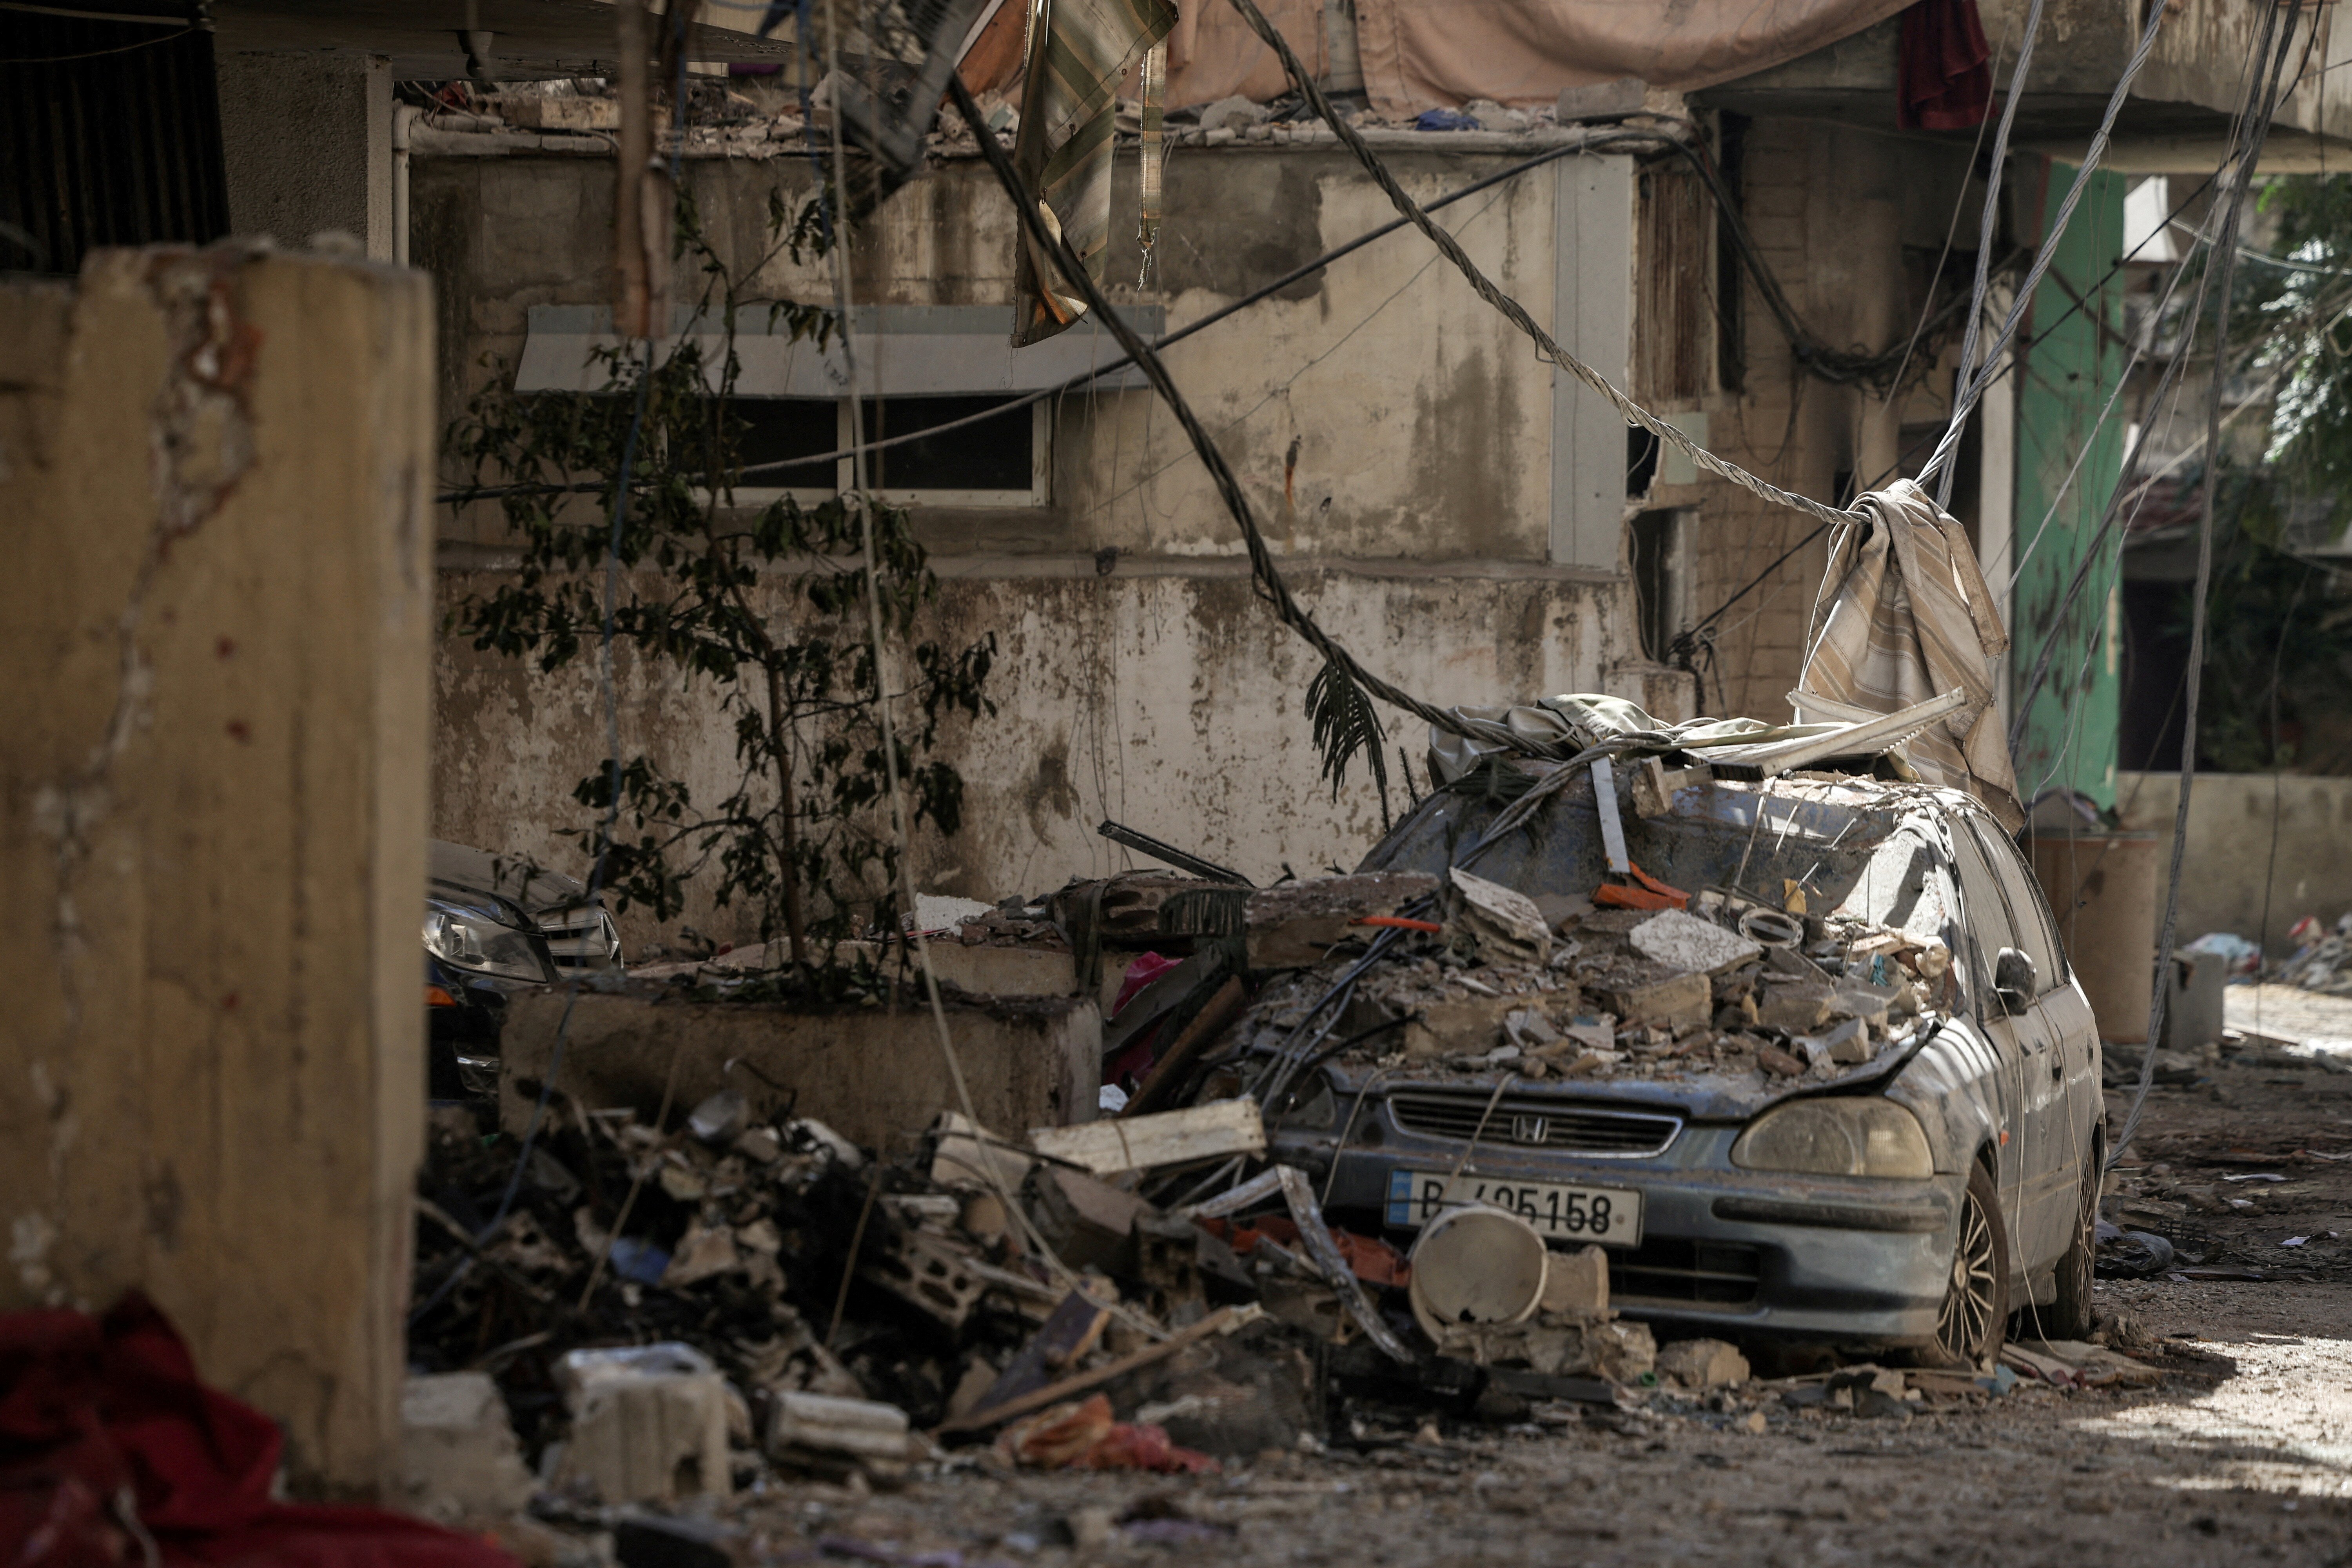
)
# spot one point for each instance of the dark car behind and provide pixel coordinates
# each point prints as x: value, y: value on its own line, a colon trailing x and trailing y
x: 495, y: 925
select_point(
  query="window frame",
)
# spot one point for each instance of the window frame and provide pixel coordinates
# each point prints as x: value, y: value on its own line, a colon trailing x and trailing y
x: 846, y: 435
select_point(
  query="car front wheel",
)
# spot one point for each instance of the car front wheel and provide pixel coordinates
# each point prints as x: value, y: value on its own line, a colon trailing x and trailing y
x: 1975, y: 1295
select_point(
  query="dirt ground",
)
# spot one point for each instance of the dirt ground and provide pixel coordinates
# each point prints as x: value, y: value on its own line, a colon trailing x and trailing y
x: 2242, y: 1454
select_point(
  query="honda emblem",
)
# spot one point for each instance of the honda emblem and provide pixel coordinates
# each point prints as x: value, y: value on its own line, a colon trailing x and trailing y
x: 1528, y: 1129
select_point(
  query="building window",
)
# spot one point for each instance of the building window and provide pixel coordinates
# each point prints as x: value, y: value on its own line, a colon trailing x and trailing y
x: 1002, y: 461
x: 1661, y: 577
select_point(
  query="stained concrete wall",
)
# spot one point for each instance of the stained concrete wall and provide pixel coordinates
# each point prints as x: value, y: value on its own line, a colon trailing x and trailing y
x: 213, y: 813
x: 1832, y: 211
x: 1395, y: 435
x: 308, y: 142
x: 2250, y: 835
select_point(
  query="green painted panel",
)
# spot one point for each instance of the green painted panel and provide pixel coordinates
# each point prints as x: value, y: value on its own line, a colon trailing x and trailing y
x: 2066, y: 376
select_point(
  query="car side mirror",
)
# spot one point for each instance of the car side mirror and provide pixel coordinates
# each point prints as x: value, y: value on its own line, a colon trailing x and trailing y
x: 2015, y: 980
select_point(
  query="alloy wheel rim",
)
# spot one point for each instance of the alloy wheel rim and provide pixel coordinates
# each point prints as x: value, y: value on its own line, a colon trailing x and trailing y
x: 1967, y: 1315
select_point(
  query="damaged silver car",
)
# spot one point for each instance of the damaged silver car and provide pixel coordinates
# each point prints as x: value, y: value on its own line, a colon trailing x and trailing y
x: 1850, y: 1094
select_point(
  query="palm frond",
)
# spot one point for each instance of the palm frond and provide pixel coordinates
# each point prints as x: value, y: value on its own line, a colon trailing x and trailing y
x: 1345, y: 722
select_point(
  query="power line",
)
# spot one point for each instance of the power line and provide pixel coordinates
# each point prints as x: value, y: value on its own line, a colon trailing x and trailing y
x: 2266, y: 104
x: 1940, y: 464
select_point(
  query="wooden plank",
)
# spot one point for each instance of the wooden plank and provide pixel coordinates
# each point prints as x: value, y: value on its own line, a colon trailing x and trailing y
x: 1176, y: 1062
x: 1065, y: 1338
x: 1223, y: 1320
x: 1213, y: 1132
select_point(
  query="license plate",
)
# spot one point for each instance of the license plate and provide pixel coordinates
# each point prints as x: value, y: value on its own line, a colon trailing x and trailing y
x: 1610, y: 1215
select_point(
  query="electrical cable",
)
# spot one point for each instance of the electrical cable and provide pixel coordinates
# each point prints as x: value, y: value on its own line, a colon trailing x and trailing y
x: 1986, y: 223
x: 2225, y: 248
x: 1265, y: 572
x: 1940, y: 464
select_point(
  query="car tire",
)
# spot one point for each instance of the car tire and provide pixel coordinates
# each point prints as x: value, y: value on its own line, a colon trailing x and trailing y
x: 1975, y: 1312
x: 2069, y: 1317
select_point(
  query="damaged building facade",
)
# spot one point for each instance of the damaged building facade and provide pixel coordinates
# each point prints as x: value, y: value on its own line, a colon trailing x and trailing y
x: 1473, y: 520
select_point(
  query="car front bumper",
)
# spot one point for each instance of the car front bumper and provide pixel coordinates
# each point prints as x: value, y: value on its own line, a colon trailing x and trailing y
x: 1842, y: 1259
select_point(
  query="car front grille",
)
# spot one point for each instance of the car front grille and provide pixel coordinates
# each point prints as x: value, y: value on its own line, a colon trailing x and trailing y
x: 578, y: 938
x: 1535, y: 1123
x: 1691, y: 1273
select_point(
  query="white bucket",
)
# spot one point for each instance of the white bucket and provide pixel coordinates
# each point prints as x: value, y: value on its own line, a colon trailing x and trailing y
x: 1477, y: 1265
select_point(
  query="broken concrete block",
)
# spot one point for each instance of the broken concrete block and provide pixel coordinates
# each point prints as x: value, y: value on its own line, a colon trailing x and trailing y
x: 1576, y: 1285
x: 982, y: 971
x: 862, y: 1428
x: 1676, y: 1002
x: 1620, y: 1350
x: 1611, y: 100
x: 965, y: 1158
x: 1701, y: 1364
x: 648, y: 1425
x: 931, y: 1271
x: 1492, y: 922
x: 701, y: 1253
x: 1793, y: 1007
x: 1088, y: 1223
x: 1685, y: 943
x: 459, y: 1457
x: 1449, y: 1028
x: 1529, y: 1027
x: 1238, y: 113
x: 573, y: 113
x: 1845, y: 1043
x: 1289, y: 926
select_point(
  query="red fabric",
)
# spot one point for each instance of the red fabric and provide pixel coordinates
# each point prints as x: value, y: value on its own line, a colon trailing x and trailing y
x: 1133, y: 1063
x: 1946, y: 82
x: 1083, y: 1436
x: 1371, y: 1260
x: 105, y: 1429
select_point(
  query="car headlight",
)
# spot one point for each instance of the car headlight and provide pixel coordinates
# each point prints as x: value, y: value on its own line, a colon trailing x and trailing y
x: 1847, y: 1137
x: 1312, y: 1108
x: 468, y: 939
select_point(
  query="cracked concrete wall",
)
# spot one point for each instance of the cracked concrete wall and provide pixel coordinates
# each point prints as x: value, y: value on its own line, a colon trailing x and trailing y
x: 211, y: 813
x: 1394, y: 434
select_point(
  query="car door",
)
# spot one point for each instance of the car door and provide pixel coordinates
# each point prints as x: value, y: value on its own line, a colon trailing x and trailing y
x: 2046, y: 1193
x: 2026, y: 1173
x: 2071, y: 1066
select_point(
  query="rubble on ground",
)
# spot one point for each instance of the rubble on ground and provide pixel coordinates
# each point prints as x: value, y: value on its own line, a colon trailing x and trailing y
x: 2322, y: 960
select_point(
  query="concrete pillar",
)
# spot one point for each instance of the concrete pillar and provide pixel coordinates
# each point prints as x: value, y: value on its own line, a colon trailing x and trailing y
x: 212, y: 816
x: 308, y: 139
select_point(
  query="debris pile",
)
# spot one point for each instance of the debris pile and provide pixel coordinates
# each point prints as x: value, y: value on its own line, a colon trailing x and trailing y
x: 2323, y: 958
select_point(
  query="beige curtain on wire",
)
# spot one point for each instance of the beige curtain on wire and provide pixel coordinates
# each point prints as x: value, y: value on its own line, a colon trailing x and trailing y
x: 1906, y: 614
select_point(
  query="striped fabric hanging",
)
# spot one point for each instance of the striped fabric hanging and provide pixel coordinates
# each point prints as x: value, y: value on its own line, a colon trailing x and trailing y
x: 1155, y: 94
x: 1063, y: 153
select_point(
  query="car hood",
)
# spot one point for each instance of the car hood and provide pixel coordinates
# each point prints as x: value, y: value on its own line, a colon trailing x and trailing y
x: 456, y: 872
x: 1700, y: 1097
